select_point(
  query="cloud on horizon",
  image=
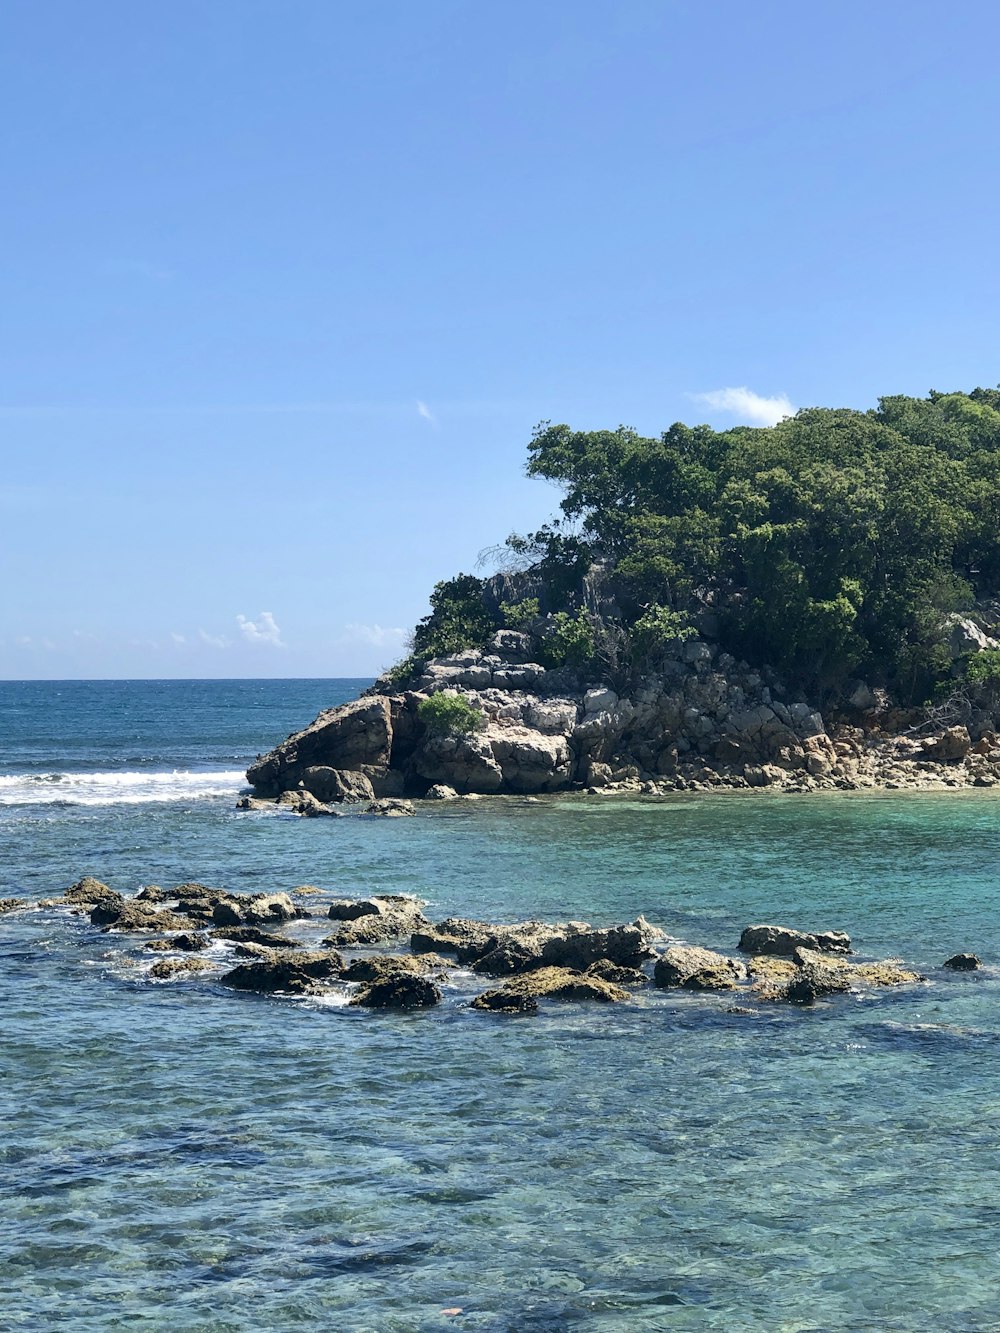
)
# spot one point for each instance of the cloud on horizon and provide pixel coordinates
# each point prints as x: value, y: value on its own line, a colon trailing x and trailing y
x: 213, y: 640
x: 750, y: 407
x: 377, y: 636
x: 262, y: 630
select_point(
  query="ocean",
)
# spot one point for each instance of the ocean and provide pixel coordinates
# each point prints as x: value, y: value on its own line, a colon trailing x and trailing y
x: 178, y: 1156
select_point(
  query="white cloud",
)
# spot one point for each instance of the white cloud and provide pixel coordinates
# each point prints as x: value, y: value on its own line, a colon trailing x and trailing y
x: 262, y: 630
x: 177, y: 638
x: 213, y: 640
x: 424, y: 411
x: 747, y: 405
x: 378, y: 636
x: 24, y: 640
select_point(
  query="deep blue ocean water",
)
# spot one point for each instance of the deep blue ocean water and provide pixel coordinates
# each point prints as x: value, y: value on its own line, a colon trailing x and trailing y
x: 178, y: 1156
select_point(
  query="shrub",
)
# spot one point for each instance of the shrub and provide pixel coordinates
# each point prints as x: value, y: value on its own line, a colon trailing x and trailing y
x: 458, y: 619
x: 519, y: 615
x: 984, y: 669
x: 658, y: 626
x: 569, y: 640
x: 450, y: 715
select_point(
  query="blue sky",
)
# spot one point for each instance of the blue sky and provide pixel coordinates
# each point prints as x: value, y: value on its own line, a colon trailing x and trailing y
x: 288, y: 283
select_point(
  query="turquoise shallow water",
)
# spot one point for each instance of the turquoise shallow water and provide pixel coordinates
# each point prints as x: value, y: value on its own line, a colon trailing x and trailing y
x: 177, y: 1156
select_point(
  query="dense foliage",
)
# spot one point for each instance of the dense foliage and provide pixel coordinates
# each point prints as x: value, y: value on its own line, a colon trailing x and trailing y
x: 833, y: 544
x: 450, y: 715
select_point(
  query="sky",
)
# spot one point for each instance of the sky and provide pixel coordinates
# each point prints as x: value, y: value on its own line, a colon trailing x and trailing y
x: 287, y: 284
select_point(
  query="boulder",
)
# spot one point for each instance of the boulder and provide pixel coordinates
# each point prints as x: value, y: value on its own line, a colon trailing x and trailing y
x: 963, y: 962
x: 390, y: 807
x: 357, y: 736
x: 440, y: 791
x: 331, y: 785
x: 12, y: 905
x: 511, y: 645
x: 782, y: 941
x: 465, y: 763
x: 952, y: 744
x: 529, y: 759
x: 297, y: 973
x: 697, y: 969
x: 302, y: 803
x: 399, y: 990
x: 965, y: 637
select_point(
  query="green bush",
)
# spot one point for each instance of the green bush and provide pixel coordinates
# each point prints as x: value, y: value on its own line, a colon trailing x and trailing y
x: 569, y: 640
x: 403, y: 670
x: 519, y: 615
x: 984, y: 668
x: 658, y: 626
x: 458, y: 619
x: 450, y: 715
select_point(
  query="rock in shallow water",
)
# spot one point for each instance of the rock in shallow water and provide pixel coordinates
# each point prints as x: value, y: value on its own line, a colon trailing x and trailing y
x: 398, y: 990
x: 697, y: 969
x: 557, y: 983
x: 963, y: 962
x: 296, y: 973
x: 783, y: 941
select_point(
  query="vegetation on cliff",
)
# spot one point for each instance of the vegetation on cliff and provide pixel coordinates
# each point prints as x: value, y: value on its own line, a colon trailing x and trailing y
x: 833, y: 545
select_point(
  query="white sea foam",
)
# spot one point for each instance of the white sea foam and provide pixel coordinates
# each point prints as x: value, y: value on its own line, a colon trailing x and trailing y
x: 117, y: 788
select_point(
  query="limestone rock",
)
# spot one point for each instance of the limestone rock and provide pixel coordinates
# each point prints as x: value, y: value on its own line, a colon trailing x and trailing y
x: 89, y: 891
x: 356, y: 736
x: 297, y: 973
x: 382, y: 966
x: 465, y: 763
x: 390, y: 807
x: 559, y: 983
x: 252, y: 935
x: 613, y: 972
x: 399, y: 990
x: 952, y: 744
x: 259, y: 909
x: 782, y: 941
x: 331, y: 785
x: 178, y: 967
x: 302, y: 803
x: 440, y: 791
x: 132, y: 915
x: 697, y: 969
x: 626, y: 946
x: 395, y: 916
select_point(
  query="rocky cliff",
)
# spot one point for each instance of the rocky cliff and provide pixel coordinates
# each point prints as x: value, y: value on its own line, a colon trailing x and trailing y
x: 704, y: 720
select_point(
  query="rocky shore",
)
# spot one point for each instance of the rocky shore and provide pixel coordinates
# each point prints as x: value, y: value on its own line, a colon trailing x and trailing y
x: 382, y: 952
x: 704, y: 721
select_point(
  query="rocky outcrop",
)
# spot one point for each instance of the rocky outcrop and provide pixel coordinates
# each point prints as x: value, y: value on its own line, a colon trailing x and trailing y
x: 358, y: 734
x: 507, y: 950
x: 167, y: 968
x: 331, y: 785
x: 129, y: 915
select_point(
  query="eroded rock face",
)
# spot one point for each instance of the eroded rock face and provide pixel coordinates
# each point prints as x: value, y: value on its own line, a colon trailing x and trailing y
x: 808, y: 974
x: 626, y: 946
x: 253, y: 935
x: 783, y: 941
x: 356, y: 736
x: 697, y: 969
x: 382, y: 966
x: 174, y: 967
x: 951, y: 745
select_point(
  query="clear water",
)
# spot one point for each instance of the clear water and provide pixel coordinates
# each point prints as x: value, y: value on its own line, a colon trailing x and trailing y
x: 176, y: 1156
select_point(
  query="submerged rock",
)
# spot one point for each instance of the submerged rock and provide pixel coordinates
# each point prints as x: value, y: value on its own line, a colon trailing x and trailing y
x: 12, y: 905
x: 783, y: 941
x: 253, y: 935
x: 697, y: 969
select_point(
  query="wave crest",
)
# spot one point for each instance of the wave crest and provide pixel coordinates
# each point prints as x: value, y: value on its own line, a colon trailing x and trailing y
x: 118, y: 788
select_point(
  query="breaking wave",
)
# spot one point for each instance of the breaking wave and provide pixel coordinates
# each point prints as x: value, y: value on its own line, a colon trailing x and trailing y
x: 118, y: 788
